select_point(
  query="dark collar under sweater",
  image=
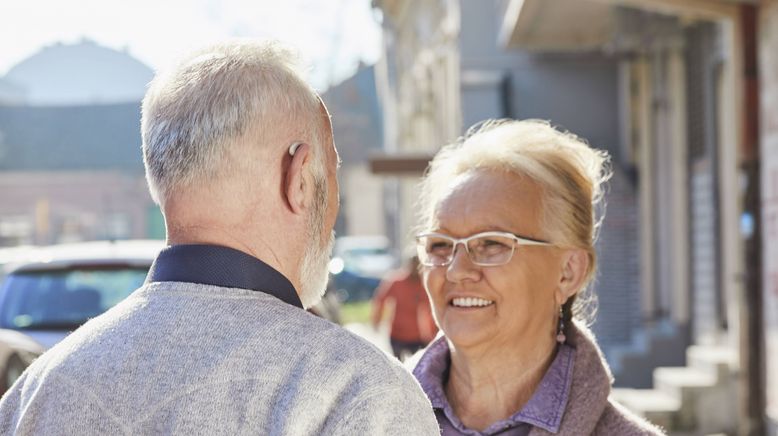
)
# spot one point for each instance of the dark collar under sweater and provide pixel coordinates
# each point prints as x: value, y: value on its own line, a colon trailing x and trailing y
x: 221, y: 266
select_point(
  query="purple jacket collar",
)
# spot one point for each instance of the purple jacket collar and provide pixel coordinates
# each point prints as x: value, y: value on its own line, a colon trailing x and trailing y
x: 544, y: 410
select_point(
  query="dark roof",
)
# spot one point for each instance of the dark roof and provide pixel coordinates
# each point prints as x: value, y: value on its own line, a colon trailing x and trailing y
x: 71, y: 138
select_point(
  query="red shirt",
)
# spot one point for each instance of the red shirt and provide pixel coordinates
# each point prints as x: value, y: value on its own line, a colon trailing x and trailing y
x: 412, y: 320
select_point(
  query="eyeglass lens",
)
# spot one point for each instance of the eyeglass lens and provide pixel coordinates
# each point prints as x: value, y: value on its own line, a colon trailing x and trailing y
x: 438, y: 250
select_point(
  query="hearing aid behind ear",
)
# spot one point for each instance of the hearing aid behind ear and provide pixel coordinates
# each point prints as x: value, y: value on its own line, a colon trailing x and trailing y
x: 293, y: 148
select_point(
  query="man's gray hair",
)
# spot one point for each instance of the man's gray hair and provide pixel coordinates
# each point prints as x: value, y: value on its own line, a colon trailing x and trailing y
x: 194, y: 113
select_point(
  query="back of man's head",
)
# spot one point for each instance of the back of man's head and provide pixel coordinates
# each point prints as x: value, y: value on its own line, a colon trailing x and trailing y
x: 239, y: 153
x: 194, y: 115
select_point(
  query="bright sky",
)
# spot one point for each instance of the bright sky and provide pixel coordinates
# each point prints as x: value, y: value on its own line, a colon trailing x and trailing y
x: 332, y: 35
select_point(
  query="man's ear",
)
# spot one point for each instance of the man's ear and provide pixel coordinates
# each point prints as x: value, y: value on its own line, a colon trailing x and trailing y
x: 294, y: 183
x: 575, y: 263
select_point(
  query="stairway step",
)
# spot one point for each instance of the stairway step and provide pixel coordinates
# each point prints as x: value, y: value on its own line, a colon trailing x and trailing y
x: 640, y: 400
x: 723, y: 361
x: 689, y: 385
x: 677, y: 380
x: 656, y: 406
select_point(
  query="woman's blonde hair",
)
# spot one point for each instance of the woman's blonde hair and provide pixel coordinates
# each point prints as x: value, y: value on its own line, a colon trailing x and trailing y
x: 570, y: 173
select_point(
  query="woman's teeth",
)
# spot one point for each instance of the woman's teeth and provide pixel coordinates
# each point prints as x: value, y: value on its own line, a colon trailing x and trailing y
x: 471, y: 302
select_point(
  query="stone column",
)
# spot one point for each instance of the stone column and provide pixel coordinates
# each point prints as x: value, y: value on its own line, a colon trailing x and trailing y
x: 768, y: 57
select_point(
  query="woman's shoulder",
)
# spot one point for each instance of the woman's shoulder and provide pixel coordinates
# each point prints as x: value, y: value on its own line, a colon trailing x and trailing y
x: 617, y: 420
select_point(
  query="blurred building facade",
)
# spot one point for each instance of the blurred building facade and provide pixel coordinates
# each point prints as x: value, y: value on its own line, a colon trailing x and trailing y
x: 768, y: 199
x: 358, y: 130
x: 670, y: 89
x: 70, y: 161
x: 72, y: 173
x: 418, y: 87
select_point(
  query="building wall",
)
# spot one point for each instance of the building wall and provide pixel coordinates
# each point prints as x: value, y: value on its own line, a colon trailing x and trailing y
x: 361, y: 201
x: 616, y: 285
x: 50, y: 207
x: 420, y: 74
x: 65, y: 138
x: 708, y: 306
x: 358, y: 132
x: 577, y: 92
x: 418, y: 87
x: 703, y: 249
x: 768, y: 54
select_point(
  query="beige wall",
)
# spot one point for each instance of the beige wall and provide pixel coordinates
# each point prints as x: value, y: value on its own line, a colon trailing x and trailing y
x: 50, y: 207
x: 419, y: 87
x: 768, y: 53
x: 362, y: 194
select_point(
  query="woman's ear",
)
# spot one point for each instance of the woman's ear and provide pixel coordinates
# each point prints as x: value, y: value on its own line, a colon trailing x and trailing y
x: 294, y: 183
x: 575, y: 264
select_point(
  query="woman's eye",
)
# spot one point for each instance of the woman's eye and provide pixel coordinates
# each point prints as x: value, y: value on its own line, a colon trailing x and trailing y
x: 437, y: 246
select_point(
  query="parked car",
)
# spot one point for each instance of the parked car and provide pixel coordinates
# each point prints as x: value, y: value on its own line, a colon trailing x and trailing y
x: 17, y: 351
x: 22, y: 253
x: 53, y: 290
x: 358, y: 265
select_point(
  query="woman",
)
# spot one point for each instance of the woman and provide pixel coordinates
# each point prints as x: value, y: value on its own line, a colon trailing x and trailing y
x: 508, y: 220
x: 412, y: 326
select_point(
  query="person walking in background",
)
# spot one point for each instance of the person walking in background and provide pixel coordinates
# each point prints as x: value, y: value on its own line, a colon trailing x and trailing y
x: 240, y: 157
x: 508, y: 222
x: 412, y: 324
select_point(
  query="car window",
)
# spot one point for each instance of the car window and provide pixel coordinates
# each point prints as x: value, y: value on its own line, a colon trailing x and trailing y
x: 367, y: 251
x: 64, y: 299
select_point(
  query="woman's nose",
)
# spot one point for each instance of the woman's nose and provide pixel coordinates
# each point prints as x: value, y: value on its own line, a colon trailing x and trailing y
x: 461, y: 267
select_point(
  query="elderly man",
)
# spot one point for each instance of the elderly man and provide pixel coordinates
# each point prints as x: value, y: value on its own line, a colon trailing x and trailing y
x: 239, y: 154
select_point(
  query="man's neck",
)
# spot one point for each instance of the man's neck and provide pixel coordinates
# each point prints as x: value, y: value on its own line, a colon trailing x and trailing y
x: 256, y: 246
x: 250, y: 219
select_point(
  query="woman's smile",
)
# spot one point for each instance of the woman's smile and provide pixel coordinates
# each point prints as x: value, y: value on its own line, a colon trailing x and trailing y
x: 471, y: 302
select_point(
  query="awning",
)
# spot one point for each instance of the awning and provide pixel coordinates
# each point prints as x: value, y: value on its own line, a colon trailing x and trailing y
x: 400, y: 164
x: 577, y: 25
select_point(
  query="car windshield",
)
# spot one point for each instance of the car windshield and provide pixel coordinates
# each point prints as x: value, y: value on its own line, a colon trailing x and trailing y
x: 65, y: 299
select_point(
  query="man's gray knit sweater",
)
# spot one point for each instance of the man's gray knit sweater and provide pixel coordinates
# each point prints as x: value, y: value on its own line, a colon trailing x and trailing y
x: 181, y: 358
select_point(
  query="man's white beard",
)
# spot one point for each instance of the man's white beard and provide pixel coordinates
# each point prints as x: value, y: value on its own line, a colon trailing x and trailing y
x: 315, y: 271
x: 314, y: 268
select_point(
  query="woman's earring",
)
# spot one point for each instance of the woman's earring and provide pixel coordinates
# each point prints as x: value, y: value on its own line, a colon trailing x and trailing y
x: 560, y: 333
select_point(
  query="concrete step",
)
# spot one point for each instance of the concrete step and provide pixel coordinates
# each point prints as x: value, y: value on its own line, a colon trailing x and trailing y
x: 661, y: 345
x: 687, y: 384
x: 656, y: 406
x: 675, y: 381
x: 719, y: 360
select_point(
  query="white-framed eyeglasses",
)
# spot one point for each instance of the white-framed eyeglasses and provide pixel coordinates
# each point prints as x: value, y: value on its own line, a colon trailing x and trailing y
x: 483, y: 249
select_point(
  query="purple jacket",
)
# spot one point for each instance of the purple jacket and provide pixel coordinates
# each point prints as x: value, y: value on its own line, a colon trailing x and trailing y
x: 579, y: 376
